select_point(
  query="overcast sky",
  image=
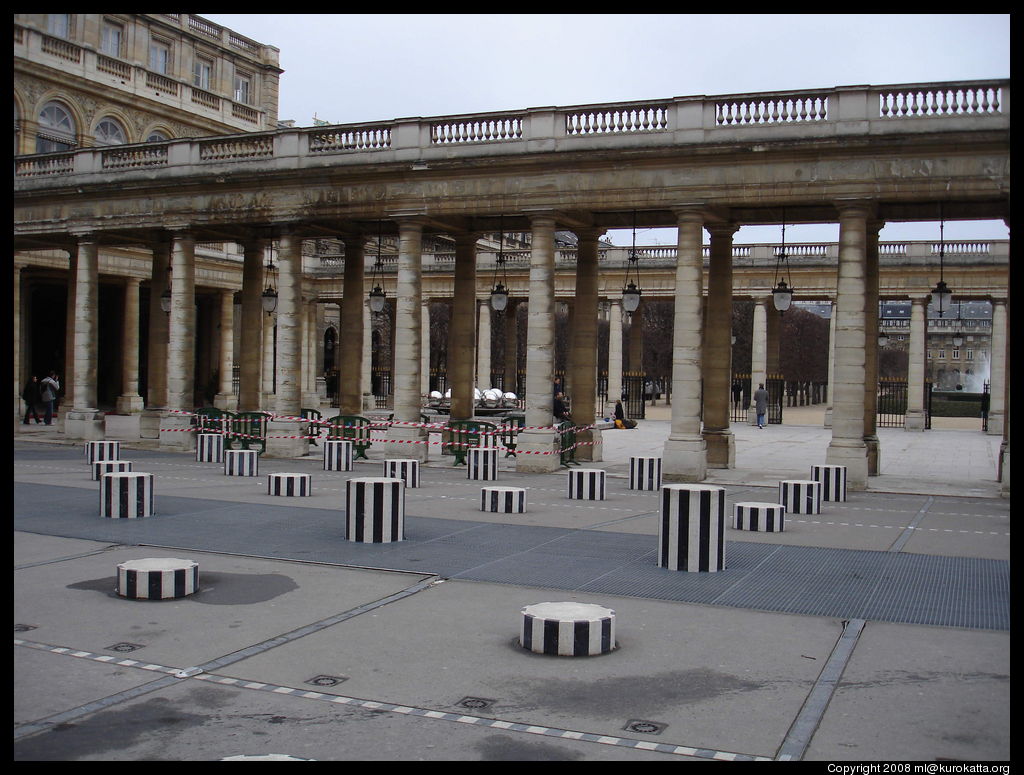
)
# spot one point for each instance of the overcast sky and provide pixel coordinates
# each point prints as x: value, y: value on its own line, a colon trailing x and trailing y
x: 352, y: 68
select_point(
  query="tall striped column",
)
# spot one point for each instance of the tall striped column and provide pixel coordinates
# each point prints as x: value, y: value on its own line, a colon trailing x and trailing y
x: 127, y: 495
x: 586, y: 484
x: 832, y: 480
x: 375, y: 510
x: 567, y: 629
x: 691, y: 532
x: 157, y: 578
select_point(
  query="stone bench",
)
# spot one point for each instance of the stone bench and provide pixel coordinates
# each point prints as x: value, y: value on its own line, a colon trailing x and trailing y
x: 102, y: 450
x: 481, y: 463
x: 759, y: 517
x: 241, y: 462
x: 375, y: 510
x: 833, y: 481
x: 338, y: 455
x: 691, y: 528
x: 126, y: 495
x: 567, y: 629
x: 503, y: 500
x: 586, y: 484
x: 406, y: 469
x: 800, y: 496
x: 160, y: 578
x: 210, y: 448
x: 101, y: 467
x: 645, y: 473
x: 289, y: 484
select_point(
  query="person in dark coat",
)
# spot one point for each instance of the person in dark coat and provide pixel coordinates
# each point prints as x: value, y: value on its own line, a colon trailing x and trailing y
x: 49, y: 388
x: 761, y: 404
x: 31, y: 396
x: 559, y: 410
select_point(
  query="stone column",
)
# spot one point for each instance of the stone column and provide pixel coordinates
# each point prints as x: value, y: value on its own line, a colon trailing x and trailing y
x: 67, y: 379
x: 268, y: 374
x: 283, y: 430
x: 614, y: 350
x: 483, y: 346
x: 19, y: 342
x: 847, y: 447
x: 758, y: 354
x: 537, y: 450
x: 871, y: 347
x: 425, y: 354
x: 584, y: 346
x: 408, y: 329
x: 366, y: 373
x: 721, y: 445
x: 997, y: 369
x: 355, y: 331
x: 225, y: 398
x: 156, y: 380
x: 685, y: 456
x: 310, y: 335
x: 180, y: 344
x: 462, y: 328
x: 250, y: 343
x: 773, y: 326
x: 86, y: 326
x: 914, y: 419
x: 636, y: 339
x: 511, y: 347
x: 831, y: 362
x: 130, y: 402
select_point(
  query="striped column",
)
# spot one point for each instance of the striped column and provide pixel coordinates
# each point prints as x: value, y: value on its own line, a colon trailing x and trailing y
x: 691, y: 532
x: 482, y: 464
x: 407, y: 470
x: 289, y: 484
x: 645, y: 473
x: 160, y: 578
x: 375, y: 510
x: 567, y: 629
x: 832, y: 480
x: 337, y: 455
x: 209, y: 448
x: 800, y: 496
x: 764, y: 517
x: 503, y: 500
x: 102, y: 450
x: 241, y: 462
x: 126, y: 495
x: 101, y: 467
x: 587, y: 484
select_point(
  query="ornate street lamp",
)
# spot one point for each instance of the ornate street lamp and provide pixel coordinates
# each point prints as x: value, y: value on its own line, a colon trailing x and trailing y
x: 269, y: 296
x: 782, y: 294
x: 631, y: 291
x: 941, y: 295
x: 377, y: 295
x: 499, y: 291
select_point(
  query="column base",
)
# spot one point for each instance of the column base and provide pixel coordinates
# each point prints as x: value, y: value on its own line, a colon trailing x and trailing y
x: 149, y: 422
x: 284, y: 439
x: 311, y: 400
x: 995, y: 423
x: 914, y: 420
x: 406, y: 441
x: 175, y: 432
x: 130, y: 403
x: 828, y: 418
x: 685, y: 460
x: 721, y: 449
x: 537, y: 452
x: 226, y: 402
x: 874, y: 451
x: 853, y: 455
x: 125, y: 427
x: 85, y: 424
x: 591, y: 446
x: 1004, y: 470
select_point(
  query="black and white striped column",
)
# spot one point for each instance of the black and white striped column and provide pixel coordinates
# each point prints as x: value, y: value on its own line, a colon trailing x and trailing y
x: 126, y: 495
x: 157, y: 578
x: 833, y: 481
x: 101, y: 467
x: 567, y: 629
x: 759, y: 517
x: 800, y: 496
x: 586, y: 484
x: 209, y: 448
x: 241, y: 462
x: 337, y: 455
x: 407, y: 470
x: 375, y: 510
x: 102, y: 450
x: 482, y: 464
x: 503, y: 500
x: 644, y: 473
x: 289, y: 484
x: 691, y: 531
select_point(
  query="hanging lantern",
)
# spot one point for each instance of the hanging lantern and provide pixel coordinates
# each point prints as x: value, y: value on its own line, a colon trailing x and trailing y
x: 377, y: 296
x: 782, y: 294
x: 499, y: 291
x: 631, y: 291
x: 942, y: 297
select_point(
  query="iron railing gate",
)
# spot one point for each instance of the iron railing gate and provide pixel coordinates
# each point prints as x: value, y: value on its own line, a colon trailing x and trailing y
x: 740, y: 402
x: 891, y: 403
x: 633, y: 387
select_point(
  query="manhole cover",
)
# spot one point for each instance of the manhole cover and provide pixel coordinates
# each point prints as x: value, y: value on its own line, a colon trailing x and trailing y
x: 474, y: 703
x: 124, y: 647
x: 326, y: 680
x: 24, y: 627
x: 644, y: 727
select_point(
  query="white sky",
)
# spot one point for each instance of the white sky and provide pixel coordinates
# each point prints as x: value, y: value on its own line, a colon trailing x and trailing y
x: 352, y: 68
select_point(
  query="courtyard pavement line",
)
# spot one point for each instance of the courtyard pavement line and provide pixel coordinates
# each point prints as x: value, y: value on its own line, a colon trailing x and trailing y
x: 908, y: 531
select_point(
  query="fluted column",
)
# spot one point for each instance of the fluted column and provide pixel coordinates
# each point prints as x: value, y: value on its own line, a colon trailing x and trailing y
x: 685, y: 456
x: 130, y: 402
x: 721, y: 445
x: 997, y: 369
x: 408, y: 345
x: 355, y: 332
x: 914, y: 419
x: 483, y: 346
x: 871, y: 347
x: 758, y: 353
x: 584, y: 346
x: 462, y: 328
x: 614, y: 350
x: 226, y: 398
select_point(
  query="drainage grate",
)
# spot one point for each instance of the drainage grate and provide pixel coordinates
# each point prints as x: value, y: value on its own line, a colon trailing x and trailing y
x: 644, y: 727
x: 474, y: 703
x: 326, y: 680
x: 124, y: 647
x: 24, y: 627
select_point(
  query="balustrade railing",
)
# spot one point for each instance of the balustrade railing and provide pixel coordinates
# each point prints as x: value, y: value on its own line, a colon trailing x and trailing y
x: 608, y: 120
x: 337, y: 139
x: 476, y: 130
x: 772, y: 110
x: 938, y: 100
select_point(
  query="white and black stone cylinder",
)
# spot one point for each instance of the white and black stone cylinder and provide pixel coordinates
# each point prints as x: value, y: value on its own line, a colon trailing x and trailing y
x: 691, y: 530
x: 126, y: 495
x: 759, y: 517
x: 210, y: 448
x: 645, y: 473
x: 375, y: 510
x: 482, y: 463
x: 832, y: 480
x: 586, y: 484
x: 241, y: 462
x: 800, y: 496
x: 567, y: 629
x: 503, y: 500
x: 337, y: 455
x: 157, y: 578
x: 102, y: 450
x: 289, y: 484
x: 101, y: 467
x: 407, y: 470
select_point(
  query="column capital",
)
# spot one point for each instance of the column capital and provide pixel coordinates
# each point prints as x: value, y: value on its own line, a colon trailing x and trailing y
x: 689, y: 212
x: 853, y: 207
x: 590, y: 233
x: 718, y: 230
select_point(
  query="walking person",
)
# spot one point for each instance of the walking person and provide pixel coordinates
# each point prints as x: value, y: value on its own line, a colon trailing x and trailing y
x: 761, y: 404
x: 49, y: 388
x: 31, y: 396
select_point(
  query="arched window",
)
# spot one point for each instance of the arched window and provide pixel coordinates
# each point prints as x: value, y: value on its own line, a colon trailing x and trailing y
x: 157, y: 136
x: 110, y: 132
x: 56, y: 129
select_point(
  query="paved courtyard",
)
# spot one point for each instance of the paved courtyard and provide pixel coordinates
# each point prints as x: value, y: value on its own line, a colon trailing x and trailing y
x: 875, y: 630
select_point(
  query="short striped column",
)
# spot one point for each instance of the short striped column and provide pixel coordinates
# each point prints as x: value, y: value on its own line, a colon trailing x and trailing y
x: 503, y: 500
x: 289, y: 484
x: 101, y: 467
x: 800, y: 496
x: 126, y: 495
x: 586, y: 484
x: 157, y: 578
x: 482, y: 463
x: 407, y: 470
x: 337, y: 455
x: 102, y: 450
x: 210, y: 448
x: 833, y: 481
x: 759, y: 517
x: 375, y: 510
x: 567, y: 629
x: 644, y: 473
x: 241, y: 462
x: 691, y: 531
